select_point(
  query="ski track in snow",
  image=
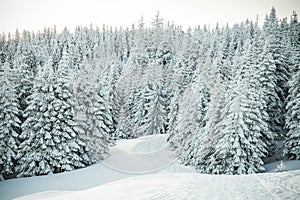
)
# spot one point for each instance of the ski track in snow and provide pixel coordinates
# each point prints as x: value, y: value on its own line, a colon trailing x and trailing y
x: 119, y: 177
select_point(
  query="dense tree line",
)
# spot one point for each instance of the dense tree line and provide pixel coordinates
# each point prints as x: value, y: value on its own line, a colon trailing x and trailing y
x: 228, y: 98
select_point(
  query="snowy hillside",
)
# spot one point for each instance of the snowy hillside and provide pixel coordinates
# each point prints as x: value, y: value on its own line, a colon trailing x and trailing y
x: 122, y: 172
x: 196, y: 186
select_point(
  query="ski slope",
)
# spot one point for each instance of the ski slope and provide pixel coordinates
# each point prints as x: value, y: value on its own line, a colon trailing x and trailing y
x: 144, y: 168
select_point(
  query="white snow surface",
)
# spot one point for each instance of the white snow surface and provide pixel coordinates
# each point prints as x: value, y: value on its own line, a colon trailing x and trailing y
x: 195, y: 186
x: 144, y: 168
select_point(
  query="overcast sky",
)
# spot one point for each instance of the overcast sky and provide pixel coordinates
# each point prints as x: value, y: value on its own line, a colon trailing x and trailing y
x: 34, y: 15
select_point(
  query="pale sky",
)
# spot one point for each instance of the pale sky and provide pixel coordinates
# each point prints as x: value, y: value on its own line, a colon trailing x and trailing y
x: 34, y: 15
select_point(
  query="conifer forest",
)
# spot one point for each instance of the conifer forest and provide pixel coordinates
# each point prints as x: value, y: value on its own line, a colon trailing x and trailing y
x: 228, y: 98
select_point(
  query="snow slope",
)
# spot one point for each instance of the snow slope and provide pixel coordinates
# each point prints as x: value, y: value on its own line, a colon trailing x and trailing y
x: 149, y: 171
x: 196, y: 186
x: 144, y: 155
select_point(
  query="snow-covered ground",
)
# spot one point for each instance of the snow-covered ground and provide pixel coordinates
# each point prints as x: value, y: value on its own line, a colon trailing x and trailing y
x: 143, y: 168
x: 195, y: 186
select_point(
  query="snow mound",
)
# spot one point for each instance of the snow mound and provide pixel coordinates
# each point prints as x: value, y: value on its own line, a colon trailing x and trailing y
x: 146, y: 154
x: 143, y: 145
x: 151, y: 144
x: 283, y: 185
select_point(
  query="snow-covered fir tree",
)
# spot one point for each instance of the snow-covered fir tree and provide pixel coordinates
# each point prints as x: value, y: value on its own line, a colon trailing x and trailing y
x: 155, y: 119
x: 292, y: 142
x: 172, y: 119
x: 35, y: 152
x: 25, y: 84
x: 267, y: 79
x: 240, y: 145
x: 122, y: 131
x: 207, y: 138
x: 271, y: 32
x: 93, y: 113
x: 50, y: 141
x: 186, y: 126
x: 113, y: 93
x: 10, y: 122
x: 139, y: 109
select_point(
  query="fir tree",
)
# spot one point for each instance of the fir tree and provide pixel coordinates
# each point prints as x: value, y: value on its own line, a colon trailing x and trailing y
x: 294, y: 31
x: 25, y: 85
x: 187, y: 126
x: 267, y: 79
x: 172, y: 119
x: 241, y: 144
x: 50, y: 134
x: 292, y: 142
x: 103, y: 122
x: 155, y: 119
x: 206, y: 139
x: 122, y: 131
x: 9, y: 120
x: 139, y: 110
x: 271, y: 32
x: 35, y: 152
x: 114, y: 98
x: 93, y: 114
